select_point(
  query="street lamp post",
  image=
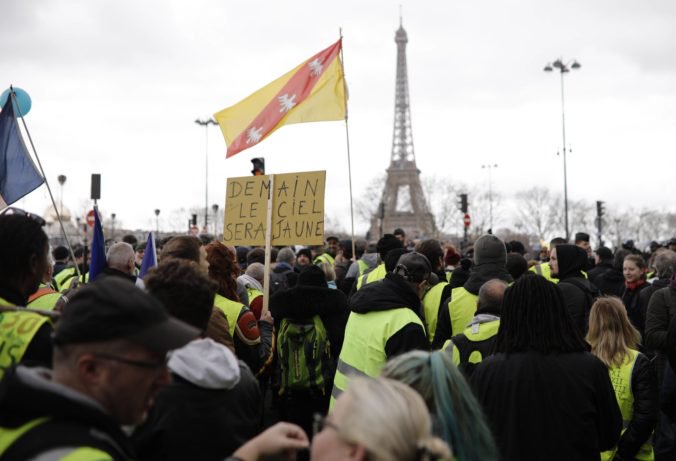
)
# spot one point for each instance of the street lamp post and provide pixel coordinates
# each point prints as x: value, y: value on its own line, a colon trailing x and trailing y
x: 563, y: 69
x: 62, y: 180
x: 157, y: 222
x: 490, y: 167
x: 205, y: 124
x: 214, y: 207
x: 112, y: 230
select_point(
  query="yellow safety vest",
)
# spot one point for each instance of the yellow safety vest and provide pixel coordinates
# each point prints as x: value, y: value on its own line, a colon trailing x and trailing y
x: 476, y: 333
x: 430, y: 303
x: 544, y: 270
x: 363, y: 352
x: 324, y: 258
x: 621, y: 379
x: 449, y: 276
x: 363, y: 267
x: 461, y: 309
x: 231, y: 309
x: 66, y: 283
x: 17, y: 329
x: 45, y: 298
x: 10, y: 435
x: 62, y: 276
x: 253, y: 293
x: 376, y: 274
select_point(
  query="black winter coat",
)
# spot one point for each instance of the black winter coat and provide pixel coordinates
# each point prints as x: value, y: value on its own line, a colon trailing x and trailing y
x: 73, y: 419
x: 599, y: 269
x: 611, y: 283
x: 632, y: 301
x: 647, y: 293
x: 305, y: 301
x: 553, y: 407
x: 301, y: 302
x: 189, y: 422
x: 578, y: 292
x: 661, y: 310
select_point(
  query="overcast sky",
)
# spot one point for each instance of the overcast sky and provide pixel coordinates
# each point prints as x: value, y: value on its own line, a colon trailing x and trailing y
x: 116, y: 87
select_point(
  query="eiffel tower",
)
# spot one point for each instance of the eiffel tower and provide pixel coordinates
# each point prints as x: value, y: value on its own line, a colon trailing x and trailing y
x: 403, y: 203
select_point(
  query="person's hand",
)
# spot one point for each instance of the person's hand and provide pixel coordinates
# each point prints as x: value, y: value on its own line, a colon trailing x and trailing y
x: 281, y: 439
x: 267, y: 317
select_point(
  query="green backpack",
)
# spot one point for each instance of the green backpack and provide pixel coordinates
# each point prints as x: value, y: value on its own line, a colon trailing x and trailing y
x: 304, y: 353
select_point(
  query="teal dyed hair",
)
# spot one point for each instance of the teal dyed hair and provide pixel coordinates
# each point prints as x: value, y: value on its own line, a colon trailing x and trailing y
x: 458, y: 416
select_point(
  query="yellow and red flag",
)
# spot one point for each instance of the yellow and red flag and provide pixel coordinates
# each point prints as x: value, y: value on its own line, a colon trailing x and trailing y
x: 314, y: 91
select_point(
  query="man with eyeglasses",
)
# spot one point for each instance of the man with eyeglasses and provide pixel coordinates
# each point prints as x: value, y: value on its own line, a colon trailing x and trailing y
x: 24, y: 250
x: 109, y: 362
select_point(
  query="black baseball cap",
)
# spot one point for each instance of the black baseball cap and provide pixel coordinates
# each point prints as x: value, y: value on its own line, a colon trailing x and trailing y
x: 414, y: 267
x: 112, y: 308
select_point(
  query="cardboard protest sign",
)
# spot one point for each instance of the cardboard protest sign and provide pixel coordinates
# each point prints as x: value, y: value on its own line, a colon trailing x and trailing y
x: 297, y: 209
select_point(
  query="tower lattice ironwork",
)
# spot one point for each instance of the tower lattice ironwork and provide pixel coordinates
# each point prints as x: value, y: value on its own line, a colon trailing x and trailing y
x: 403, y: 204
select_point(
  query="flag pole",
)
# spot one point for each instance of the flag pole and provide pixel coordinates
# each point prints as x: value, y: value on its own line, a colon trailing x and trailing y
x: 347, y: 140
x: 49, y: 189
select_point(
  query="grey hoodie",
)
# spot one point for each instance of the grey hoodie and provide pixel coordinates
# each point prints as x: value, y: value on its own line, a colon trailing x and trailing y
x: 206, y: 364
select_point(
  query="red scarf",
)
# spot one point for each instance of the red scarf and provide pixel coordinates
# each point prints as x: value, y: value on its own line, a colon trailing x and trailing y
x: 633, y: 286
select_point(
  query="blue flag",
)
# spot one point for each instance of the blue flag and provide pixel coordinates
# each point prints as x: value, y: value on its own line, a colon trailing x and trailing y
x: 149, y: 256
x: 98, y: 261
x: 18, y: 175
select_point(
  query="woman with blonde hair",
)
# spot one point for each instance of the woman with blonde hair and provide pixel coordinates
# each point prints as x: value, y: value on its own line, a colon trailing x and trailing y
x: 460, y: 421
x: 375, y: 419
x: 615, y: 341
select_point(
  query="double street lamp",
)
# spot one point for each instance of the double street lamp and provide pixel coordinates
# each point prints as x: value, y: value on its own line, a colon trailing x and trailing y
x: 563, y: 69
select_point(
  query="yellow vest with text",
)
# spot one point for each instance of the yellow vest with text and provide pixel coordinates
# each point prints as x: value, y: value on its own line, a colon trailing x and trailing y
x: 620, y: 377
x: 363, y: 352
x: 461, y: 309
x: 17, y: 329
x: 231, y: 309
x: 378, y: 273
x: 10, y: 435
x: 430, y: 303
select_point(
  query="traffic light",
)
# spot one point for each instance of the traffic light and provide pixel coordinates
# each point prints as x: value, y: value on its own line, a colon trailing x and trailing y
x: 463, y: 203
x: 194, y: 220
x: 258, y: 166
x: 600, y: 209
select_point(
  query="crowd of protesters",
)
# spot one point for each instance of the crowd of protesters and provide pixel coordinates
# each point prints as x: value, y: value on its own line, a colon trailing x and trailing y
x: 381, y: 351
